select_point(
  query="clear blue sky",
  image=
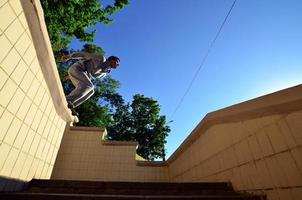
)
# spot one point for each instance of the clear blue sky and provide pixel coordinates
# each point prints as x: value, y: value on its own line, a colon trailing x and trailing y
x: 161, y: 44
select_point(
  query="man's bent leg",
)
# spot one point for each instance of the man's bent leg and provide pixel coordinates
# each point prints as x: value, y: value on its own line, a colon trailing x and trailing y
x: 82, y: 83
x: 83, y: 98
x: 78, y: 93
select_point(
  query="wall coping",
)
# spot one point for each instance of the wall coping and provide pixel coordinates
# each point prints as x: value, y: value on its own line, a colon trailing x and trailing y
x: 151, y: 163
x: 104, y: 133
x: 35, y: 18
x: 120, y: 143
x: 83, y: 128
x: 284, y: 101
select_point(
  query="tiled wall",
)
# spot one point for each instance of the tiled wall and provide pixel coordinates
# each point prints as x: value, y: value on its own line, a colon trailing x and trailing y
x: 83, y: 156
x: 257, y: 155
x: 262, y: 154
x: 255, y: 145
x: 30, y: 129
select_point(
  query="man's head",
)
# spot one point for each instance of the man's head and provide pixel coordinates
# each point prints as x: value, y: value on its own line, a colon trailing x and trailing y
x: 114, y: 61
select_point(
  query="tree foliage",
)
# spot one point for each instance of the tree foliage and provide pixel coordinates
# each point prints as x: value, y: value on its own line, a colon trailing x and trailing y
x: 70, y: 19
x: 136, y: 121
x: 141, y: 122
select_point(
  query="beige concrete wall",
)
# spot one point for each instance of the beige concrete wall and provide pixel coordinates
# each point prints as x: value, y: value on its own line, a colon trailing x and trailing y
x: 258, y: 150
x: 30, y: 128
x: 84, y: 156
x: 256, y: 145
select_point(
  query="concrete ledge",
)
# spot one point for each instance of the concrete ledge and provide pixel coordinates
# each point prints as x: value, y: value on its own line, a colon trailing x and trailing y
x: 119, y: 143
x: 35, y: 18
x: 283, y: 101
x: 151, y: 163
x: 83, y: 128
x: 280, y: 102
x: 104, y: 132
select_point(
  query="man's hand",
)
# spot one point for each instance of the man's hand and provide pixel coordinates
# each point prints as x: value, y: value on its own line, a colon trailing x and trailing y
x: 66, y: 78
x: 64, y: 58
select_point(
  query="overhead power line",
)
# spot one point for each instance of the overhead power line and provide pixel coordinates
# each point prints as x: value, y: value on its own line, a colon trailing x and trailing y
x: 204, y: 59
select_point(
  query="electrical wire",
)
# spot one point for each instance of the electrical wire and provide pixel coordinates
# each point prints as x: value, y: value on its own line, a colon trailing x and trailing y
x: 204, y: 59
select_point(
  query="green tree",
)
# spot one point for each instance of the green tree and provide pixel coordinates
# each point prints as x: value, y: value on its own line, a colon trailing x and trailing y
x: 141, y: 122
x: 92, y: 48
x: 71, y: 19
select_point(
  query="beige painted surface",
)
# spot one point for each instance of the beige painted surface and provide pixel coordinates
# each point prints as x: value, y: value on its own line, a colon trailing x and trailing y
x: 84, y: 156
x: 258, y: 148
x: 256, y: 145
x: 35, y: 19
x: 30, y: 128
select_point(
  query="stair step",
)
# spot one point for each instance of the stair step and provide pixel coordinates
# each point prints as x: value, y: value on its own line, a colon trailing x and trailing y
x: 54, y: 196
x: 100, y: 190
x: 108, y: 191
x: 139, y: 185
x: 128, y: 188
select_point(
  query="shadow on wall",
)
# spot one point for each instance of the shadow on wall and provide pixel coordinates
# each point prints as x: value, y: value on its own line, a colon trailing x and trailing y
x: 9, y: 185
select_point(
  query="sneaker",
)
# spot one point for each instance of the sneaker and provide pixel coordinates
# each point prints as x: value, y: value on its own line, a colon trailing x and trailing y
x: 73, y: 111
x: 69, y: 104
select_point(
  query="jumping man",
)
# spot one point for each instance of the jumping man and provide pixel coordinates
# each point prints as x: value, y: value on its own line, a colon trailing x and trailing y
x: 88, y: 66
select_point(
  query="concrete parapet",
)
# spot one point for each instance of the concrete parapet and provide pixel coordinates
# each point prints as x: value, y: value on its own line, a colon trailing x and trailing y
x: 32, y: 111
x: 84, y: 155
x: 255, y: 144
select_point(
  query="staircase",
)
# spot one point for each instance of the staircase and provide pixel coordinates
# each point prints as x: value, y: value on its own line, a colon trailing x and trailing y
x: 97, y: 190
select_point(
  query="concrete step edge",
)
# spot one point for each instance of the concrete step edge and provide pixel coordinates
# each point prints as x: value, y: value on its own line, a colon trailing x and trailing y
x: 238, y: 196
